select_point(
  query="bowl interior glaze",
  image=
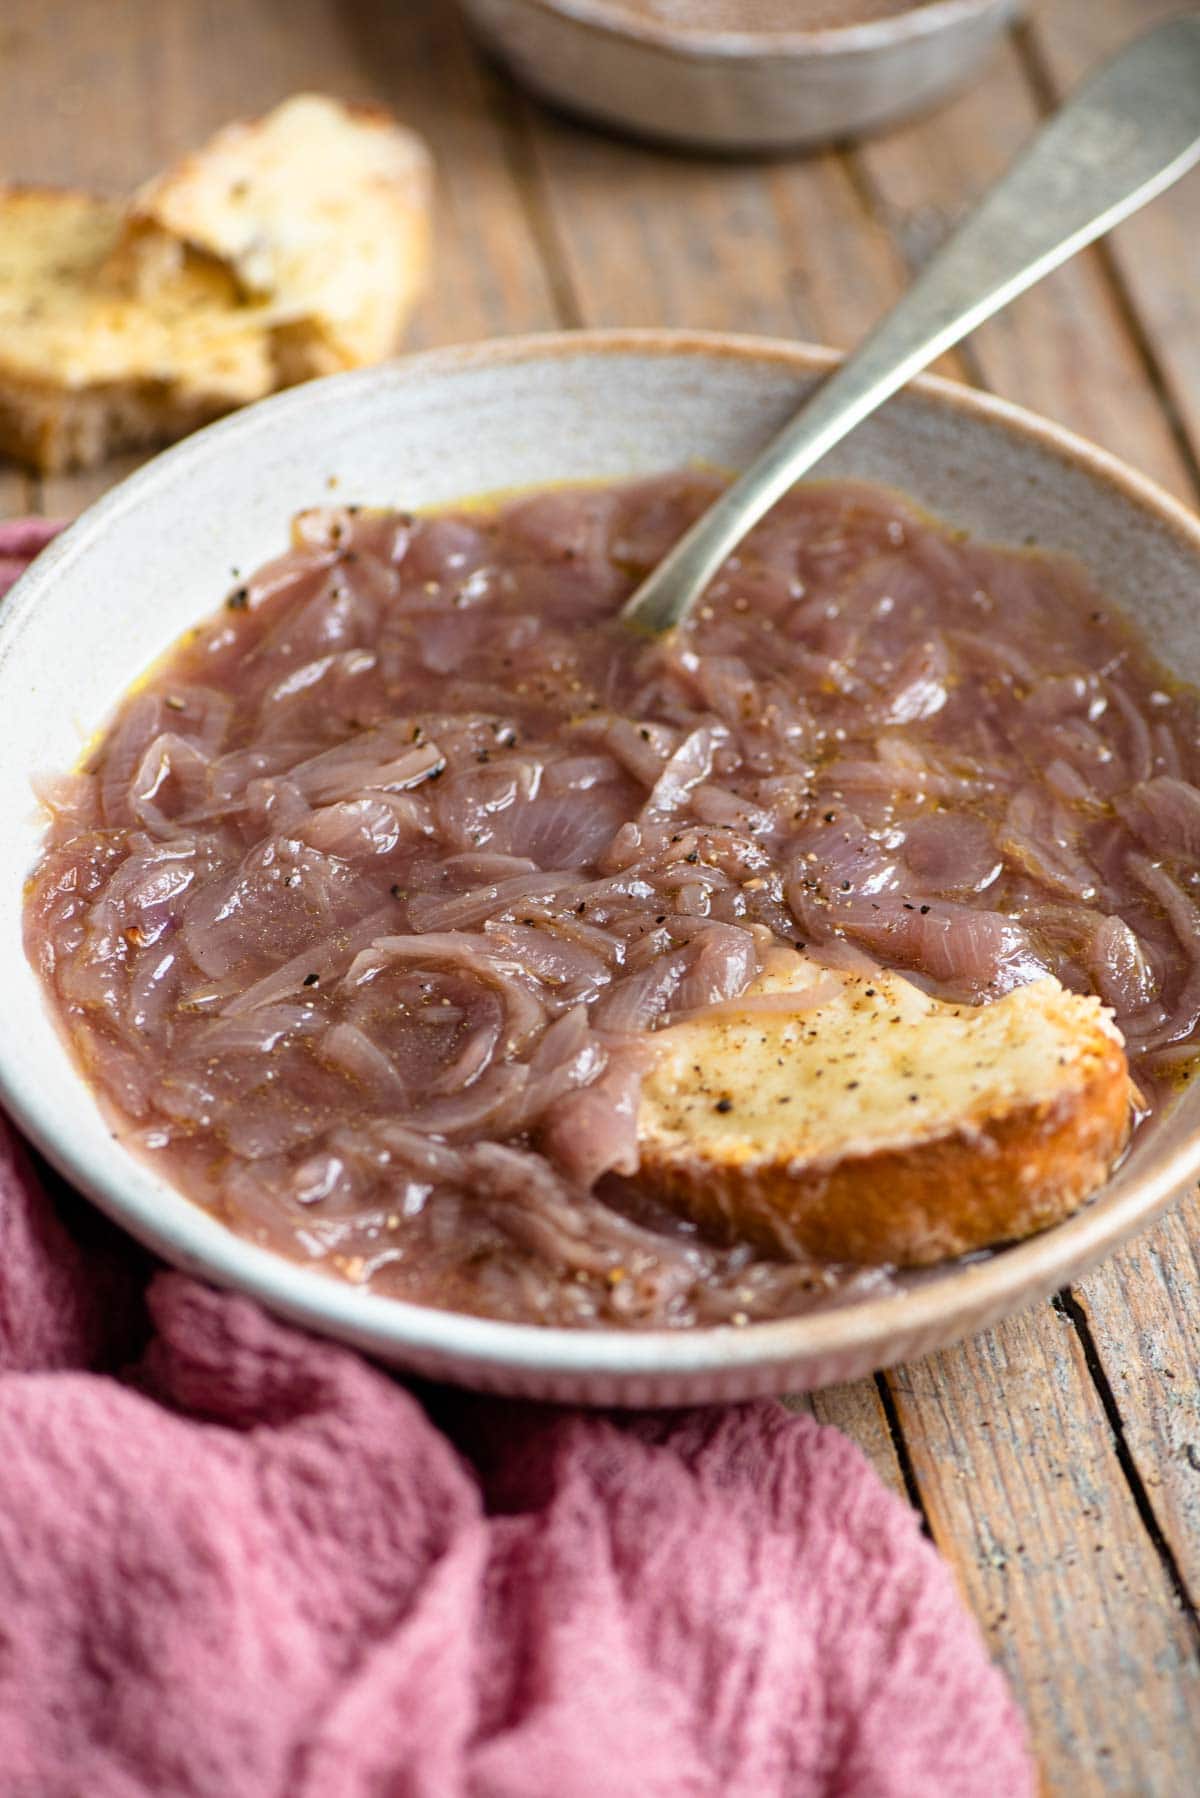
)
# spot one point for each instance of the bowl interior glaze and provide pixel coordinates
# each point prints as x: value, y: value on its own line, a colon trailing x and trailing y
x: 159, y: 552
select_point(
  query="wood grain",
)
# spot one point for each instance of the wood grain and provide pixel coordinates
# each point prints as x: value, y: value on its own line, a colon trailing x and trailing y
x: 858, y: 1409
x: 1156, y: 255
x: 1142, y: 1310
x: 646, y: 237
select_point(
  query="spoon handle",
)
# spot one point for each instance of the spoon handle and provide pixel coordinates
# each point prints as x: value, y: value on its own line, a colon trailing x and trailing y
x: 1124, y: 137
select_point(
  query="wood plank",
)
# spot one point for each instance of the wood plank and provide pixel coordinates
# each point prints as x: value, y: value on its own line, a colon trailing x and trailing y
x: 66, y: 495
x: 490, y: 275
x: 650, y: 238
x: 1019, y: 1478
x: 1142, y: 1309
x: 1064, y: 348
x: 125, y: 88
x: 1157, y: 253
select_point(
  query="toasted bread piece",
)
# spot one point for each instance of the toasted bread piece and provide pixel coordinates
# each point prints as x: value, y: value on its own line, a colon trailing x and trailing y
x: 85, y: 368
x: 881, y: 1125
x: 320, y: 213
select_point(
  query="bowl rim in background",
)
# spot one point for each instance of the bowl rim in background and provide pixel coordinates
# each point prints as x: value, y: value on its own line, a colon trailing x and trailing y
x: 914, y: 22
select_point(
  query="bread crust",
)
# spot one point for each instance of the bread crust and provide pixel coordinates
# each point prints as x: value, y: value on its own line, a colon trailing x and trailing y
x: 55, y: 430
x: 996, y: 1173
x: 912, y: 1207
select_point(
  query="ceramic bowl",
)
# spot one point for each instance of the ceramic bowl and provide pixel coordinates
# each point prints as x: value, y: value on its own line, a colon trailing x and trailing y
x: 156, y: 555
x: 738, y: 90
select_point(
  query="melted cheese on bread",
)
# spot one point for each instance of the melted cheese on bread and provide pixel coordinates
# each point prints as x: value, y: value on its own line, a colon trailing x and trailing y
x: 880, y: 1125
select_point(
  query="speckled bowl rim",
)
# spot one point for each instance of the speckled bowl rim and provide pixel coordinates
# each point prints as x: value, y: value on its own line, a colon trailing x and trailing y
x: 870, y: 34
x: 493, y: 1354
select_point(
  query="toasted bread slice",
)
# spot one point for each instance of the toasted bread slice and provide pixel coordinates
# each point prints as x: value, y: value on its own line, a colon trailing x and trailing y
x: 880, y: 1125
x: 320, y: 213
x: 85, y: 368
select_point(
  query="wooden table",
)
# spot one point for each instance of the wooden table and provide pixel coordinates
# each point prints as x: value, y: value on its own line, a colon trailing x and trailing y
x: 1056, y: 1460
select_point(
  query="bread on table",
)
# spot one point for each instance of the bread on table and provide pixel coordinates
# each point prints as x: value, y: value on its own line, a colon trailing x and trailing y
x: 286, y: 248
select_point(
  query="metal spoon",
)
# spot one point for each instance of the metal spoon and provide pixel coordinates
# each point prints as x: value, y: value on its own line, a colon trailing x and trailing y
x: 1129, y: 132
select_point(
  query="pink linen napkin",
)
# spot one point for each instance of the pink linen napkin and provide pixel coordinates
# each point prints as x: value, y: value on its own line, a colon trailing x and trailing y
x: 238, y: 1562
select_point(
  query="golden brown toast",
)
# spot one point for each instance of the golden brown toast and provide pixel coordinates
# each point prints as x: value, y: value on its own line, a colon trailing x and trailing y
x: 880, y: 1125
